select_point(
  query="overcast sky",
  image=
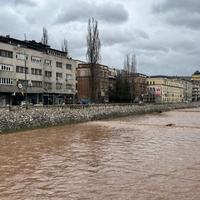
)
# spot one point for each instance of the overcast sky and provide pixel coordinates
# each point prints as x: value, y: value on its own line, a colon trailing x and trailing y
x: 164, y: 34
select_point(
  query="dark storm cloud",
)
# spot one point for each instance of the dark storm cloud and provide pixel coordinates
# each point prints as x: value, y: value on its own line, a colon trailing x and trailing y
x: 111, y: 13
x: 180, y: 12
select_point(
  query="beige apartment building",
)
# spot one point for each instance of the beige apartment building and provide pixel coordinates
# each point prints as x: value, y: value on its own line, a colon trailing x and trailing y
x: 46, y: 75
x: 187, y: 90
x: 163, y: 89
x: 196, y: 86
x: 196, y: 76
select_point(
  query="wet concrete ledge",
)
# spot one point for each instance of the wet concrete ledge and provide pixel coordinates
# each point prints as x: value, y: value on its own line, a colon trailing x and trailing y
x: 38, y: 117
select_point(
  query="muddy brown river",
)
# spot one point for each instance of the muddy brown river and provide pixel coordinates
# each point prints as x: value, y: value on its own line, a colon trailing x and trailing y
x: 146, y: 157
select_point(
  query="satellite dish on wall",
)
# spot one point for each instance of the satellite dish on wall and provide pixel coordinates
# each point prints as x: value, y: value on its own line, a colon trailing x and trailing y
x: 20, y: 86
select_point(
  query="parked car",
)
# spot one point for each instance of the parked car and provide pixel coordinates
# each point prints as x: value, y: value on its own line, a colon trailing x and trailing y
x: 85, y: 101
x: 24, y: 103
x: 141, y: 103
x: 38, y: 104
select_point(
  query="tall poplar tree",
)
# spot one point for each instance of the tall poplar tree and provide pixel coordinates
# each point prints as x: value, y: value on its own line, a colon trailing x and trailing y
x: 93, y: 53
x: 45, y: 38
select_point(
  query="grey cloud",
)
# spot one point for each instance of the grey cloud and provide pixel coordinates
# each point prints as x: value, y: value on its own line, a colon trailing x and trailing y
x: 187, y: 20
x: 168, y: 64
x: 141, y: 34
x: 185, y: 46
x: 19, y: 2
x: 184, y: 13
x: 111, y: 13
x: 153, y: 48
x: 120, y: 35
x: 11, y: 27
x: 171, y: 5
x: 125, y: 26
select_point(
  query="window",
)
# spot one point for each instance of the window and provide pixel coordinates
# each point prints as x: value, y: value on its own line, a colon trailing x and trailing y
x: 58, y: 85
x: 36, y: 71
x: 55, y: 53
x: 58, y: 75
x: 21, y: 56
x: 4, y: 53
x: 68, y: 66
x: 47, y: 62
x: 35, y: 59
x: 68, y: 86
x: 37, y: 84
x: 59, y: 64
x: 68, y: 77
x: 48, y: 74
x: 6, y: 67
x: 6, y: 81
x: 48, y: 85
x: 20, y: 69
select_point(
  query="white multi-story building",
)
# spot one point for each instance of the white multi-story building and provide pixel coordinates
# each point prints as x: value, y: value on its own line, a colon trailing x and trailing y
x: 46, y: 75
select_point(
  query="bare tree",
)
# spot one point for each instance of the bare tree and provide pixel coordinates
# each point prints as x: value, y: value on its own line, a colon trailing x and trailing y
x: 130, y: 64
x: 93, y: 52
x: 127, y: 63
x: 44, y: 39
x: 133, y: 64
x: 64, y: 46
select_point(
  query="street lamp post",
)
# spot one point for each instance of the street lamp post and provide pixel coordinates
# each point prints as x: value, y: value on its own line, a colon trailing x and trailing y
x: 26, y: 83
x: 25, y: 72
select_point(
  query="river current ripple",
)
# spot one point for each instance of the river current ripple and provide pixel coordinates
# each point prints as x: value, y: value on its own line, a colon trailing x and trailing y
x: 142, y: 157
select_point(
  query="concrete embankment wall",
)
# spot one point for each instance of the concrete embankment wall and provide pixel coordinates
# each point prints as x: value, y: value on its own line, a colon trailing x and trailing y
x: 21, y: 119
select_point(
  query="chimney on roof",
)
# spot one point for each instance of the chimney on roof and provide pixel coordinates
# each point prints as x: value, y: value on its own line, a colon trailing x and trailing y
x: 8, y: 36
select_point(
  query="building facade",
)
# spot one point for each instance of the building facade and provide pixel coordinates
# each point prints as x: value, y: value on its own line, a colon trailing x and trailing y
x: 138, y: 86
x: 31, y: 69
x: 112, y: 76
x: 187, y: 90
x: 101, y: 82
x: 196, y: 86
x: 195, y: 90
x: 196, y: 76
x: 163, y: 89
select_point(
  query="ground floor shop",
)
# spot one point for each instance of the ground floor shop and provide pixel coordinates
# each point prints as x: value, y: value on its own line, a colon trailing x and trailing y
x: 36, y: 98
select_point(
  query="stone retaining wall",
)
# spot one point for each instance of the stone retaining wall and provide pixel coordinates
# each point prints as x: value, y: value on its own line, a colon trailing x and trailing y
x: 21, y: 119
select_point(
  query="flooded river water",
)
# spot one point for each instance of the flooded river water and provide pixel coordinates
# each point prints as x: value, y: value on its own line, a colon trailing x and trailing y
x: 142, y: 157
